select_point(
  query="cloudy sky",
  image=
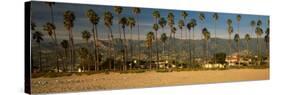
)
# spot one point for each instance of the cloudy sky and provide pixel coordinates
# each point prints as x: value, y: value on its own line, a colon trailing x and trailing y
x: 41, y: 14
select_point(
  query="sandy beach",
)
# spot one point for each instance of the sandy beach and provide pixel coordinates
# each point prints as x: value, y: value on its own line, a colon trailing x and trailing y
x: 104, y: 81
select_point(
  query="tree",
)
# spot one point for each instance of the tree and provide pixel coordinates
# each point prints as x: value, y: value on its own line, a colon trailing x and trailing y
x: 65, y: 45
x: 50, y: 28
x: 184, y: 16
x: 201, y: 17
x: 191, y: 25
x: 181, y: 25
x: 38, y: 37
x: 155, y: 28
x: 124, y: 22
x: 163, y: 38
x: 229, y: 31
x: 83, y: 54
x: 149, y: 38
x: 118, y: 10
x: 216, y: 18
x: 247, y: 38
x: 108, y: 23
x: 131, y: 24
x: 259, y: 32
x: 94, y: 19
x: 136, y: 12
x: 238, y: 18
x: 170, y: 22
x: 86, y: 35
x: 253, y: 25
x: 69, y: 18
x: 51, y: 5
x: 156, y: 15
x: 236, y: 39
x: 206, y: 35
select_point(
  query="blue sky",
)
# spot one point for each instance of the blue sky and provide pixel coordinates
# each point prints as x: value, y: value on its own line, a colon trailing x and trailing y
x: 41, y: 14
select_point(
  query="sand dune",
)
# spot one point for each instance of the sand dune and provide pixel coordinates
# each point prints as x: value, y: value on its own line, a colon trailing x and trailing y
x: 147, y: 79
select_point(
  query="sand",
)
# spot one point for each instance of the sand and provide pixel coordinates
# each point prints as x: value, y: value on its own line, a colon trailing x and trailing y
x: 139, y: 80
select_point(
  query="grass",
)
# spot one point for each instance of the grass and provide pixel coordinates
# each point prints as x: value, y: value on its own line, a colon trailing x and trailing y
x: 195, y: 68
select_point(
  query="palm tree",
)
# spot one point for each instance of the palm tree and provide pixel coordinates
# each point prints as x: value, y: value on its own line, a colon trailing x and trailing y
x: 38, y: 37
x: 173, y: 32
x: 69, y: 18
x: 201, y: 17
x: 51, y: 4
x: 236, y: 39
x: 181, y: 25
x: 238, y: 18
x: 155, y: 28
x: 94, y: 19
x: 170, y: 22
x: 184, y: 15
x: 156, y: 15
x: 124, y: 22
x: 65, y: 45
x: 267, y: 37
x: 216, y: 18
x: 118, y: 10
x: 131, y: 23
x: 206, y: 35
x: 108, y: 23
x: 191, y: 25
x: 86, y: 35
x: 229, y: 31
x: 163, y: 38
x: 149, y: 38
x: 162, y: 23
x: 83, y: 54
x: 253, y: 25
x: 259, y: 32
x: 50, y: 29
x: 247, y: 38
x: 136, y: 12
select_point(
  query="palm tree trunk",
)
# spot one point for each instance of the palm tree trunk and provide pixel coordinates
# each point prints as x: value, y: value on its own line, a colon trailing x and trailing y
x: 66, y: 59
x: 229, y: 43
x: 189, y: 46
x: 40, y: 63
x: 157, y: 55
x: 125, y: 50
x: 150, y: 58
x: 193, y: 46
x: 215, y: 42
x: 71, y: 50
x: 138, y: 39
x: 97, y: 47
x: 131, y: 46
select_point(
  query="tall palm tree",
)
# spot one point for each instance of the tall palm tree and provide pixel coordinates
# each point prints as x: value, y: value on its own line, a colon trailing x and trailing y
x: 94, y: 19
x: 131, y: 23
x: 86, y: 35
x: 206, y: 35
x: 191, y: 25
x: 259, y: 32
x: 118, y: 10
x: 247, y: 38
x: 216, y: 18
x: 163, y: 38
x: 253, y: 25
x: 124, y: 22
x: 229, y: 31
x: 238, y: 18
x: 162, y: 23
x: 65, y: 45
x: 51, y: 5
x: 236, y: 39
x: 156, y: 15
x: 181, y: 25
x: 184, y: 16
x: 202, y: 18
x: 267, y: 37
x: 149, y: 38
x: 38, y: 37
x: 69, y: 18
x: 108, y: 17
x: 155, y: 28
x: 136, y: 12
x: 83, y: 54
x: 50, y: 29
x: 170, y: 22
